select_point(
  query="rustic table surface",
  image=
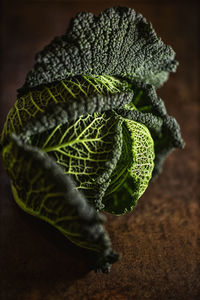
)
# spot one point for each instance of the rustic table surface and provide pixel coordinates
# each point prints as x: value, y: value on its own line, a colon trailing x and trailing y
x: 160, y: 240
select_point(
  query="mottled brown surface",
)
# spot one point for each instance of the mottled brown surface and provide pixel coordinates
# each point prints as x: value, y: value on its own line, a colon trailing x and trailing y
x: 160, y: 241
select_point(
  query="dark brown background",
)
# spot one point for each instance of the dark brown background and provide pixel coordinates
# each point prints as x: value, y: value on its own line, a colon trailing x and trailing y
x: 160, y: 241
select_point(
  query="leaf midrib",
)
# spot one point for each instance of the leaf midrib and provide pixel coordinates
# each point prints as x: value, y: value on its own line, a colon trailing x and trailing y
x: 57, y: 147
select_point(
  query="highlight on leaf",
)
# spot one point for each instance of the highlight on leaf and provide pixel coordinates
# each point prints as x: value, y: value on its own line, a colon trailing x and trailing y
x: 87, y: 149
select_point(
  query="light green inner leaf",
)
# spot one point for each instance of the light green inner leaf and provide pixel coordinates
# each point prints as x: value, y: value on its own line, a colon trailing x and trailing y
x: 88, y: 149
x: 133, y: 171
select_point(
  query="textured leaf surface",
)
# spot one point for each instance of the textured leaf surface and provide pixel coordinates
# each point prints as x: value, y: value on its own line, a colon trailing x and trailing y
x: 120, y: 173
x: 88, y: 149
x: 42, y: 189
x: 139, y: 167
x: 150, y: 111
x: 35, y: 103
x: 89, y: 111
x: 118, y: 42
x: 66, y: 112
x: 143, y: 155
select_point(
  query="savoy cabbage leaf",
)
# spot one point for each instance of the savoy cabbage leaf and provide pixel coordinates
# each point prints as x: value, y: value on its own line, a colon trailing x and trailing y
x: 88, y: 149
x: 150, y: 110
x: 88, y: 131
x: 134, y: 170
x: 41, y: 189
x: 119, y: 42
x: 35, y: 102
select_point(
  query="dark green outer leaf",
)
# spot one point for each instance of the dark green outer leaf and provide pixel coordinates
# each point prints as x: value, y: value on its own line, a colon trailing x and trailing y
x: 164, y: 128
x: 66, y: 112
x: 118, y: 42
x: 41, y: 189
x: 62, y: 112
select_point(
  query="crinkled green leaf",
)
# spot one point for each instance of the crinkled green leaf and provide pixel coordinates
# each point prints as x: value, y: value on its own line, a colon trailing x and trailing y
x: 80, y: 89
x: 118, y: 42
x: 41, y: 188
x: 89, y: 111
x: 150, y: 111
x: 138, y: 163
x: 120, y: 173
x: 88, y: 149
x: 66, y: 112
